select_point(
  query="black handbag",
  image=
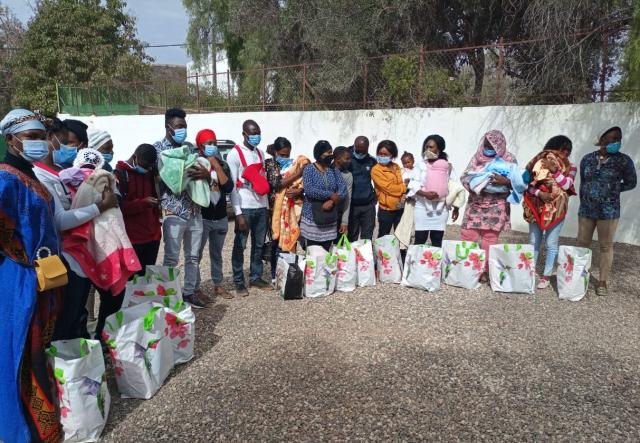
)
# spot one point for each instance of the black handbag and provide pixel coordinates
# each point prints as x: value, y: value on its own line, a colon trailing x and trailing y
x: 320, y: 216
x: 294, y: 285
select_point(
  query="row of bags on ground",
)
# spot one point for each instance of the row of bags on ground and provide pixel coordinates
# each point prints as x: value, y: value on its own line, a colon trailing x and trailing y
x: 458, y: 263
x: 152, y: 332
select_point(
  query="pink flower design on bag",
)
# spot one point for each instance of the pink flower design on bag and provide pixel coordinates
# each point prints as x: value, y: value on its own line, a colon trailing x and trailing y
x: 175, y: 326
x: 429, y: 259
x: 138, y: 293
x: 477, y: 260
x: 568, y: 268
x: 64, y: 411
x: 308, y: 272
x: 385, y: 262
x: 183, y: 343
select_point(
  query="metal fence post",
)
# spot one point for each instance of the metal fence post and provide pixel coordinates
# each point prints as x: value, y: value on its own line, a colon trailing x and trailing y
x: 420, y: 74
x: 198, y: 91
x: 58, y: 97
x: 264, y: 87
x: 228, y: 91
x: 500, y: 71
x: 304, y: 86
x: 365, y: 74
x: 164, y: 86
x: 603, y: 69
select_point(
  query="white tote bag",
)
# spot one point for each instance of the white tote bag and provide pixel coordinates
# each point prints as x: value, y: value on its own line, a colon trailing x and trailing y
x: 160, y: 284
x: 181, y: 330
x: 365, y: 262
x: 347, y: 270
x: 141, y: 352
x: 511, y: 268
x: 423, y: 267
x: 463, y: 263
x: 84, y: 400
x: 573, y: 272
x: 320, y: 272
x: 388, y: 259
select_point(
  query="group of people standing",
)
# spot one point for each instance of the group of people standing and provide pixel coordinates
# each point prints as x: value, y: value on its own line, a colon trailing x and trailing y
x: 285, y: 200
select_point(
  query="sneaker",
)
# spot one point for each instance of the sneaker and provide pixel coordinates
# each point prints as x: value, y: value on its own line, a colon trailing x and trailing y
x: 194, y: 301
x: 241, y: 291
x: 602, y: 291
x: 260, y: 284
x: 544, y: 283
x: 222, y: 292
x: 200, y: 295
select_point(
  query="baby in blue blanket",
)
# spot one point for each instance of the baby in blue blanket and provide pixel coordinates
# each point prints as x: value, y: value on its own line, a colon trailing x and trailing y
x: 519, y: 180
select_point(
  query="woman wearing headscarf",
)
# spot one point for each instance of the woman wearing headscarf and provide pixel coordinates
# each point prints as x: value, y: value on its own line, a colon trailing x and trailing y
x: 27, y: 228
x: 547, y: 200
x: 324, y: 190
x: 604, y: 174
x: 487, y: 214
x: 101, y: 141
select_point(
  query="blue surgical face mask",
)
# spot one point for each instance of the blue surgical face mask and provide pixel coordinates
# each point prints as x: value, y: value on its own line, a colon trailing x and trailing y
x: 107, y: 157
x: 65, y: 155
x: 254, y: 140
x: 614, y: 148
x: 359, y: 156
x: 34, y: 150
x: 139, y: 169
x: 179, y: 135
x: 210, y: 150
x: 489, y: 152
x: 284, y: 162
x: 383, y: 160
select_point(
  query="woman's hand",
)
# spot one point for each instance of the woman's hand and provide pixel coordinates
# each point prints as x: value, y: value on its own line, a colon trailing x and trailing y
x: 500, y: 180
x: 335, y: 198
x: 344, y: 229
x: 551, y: 166
x: 109, y: 200
x: 327, y: 206
x: 455, y: 214
x: 293, y: 193
x: 428, y: 195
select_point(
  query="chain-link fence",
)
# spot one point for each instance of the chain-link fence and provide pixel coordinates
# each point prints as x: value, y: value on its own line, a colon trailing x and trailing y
x: 573, y: 69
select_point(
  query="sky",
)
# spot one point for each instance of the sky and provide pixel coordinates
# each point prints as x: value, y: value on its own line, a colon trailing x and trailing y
x: 159, y: 22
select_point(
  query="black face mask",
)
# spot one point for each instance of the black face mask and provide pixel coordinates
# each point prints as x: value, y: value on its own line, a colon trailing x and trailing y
x: 326, y: 161
x: 345, y: 166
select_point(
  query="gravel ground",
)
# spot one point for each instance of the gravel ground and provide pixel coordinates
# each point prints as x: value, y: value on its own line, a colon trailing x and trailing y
x: 392, y: 363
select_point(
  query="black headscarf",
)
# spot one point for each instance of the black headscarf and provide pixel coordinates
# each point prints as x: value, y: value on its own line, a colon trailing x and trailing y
x: 78, y: 128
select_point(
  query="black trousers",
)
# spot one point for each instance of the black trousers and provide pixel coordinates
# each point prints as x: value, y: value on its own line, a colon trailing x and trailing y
x: 72, y: 320
x: 110, y: 304
x: 387, y: 220
x: 325, y: 244
x: 436, y: 238
x: 362, y: 221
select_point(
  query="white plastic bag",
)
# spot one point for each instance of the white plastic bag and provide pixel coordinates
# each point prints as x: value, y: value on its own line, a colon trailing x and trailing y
x: 160, y: 284
x: 573, y: 272
x: 365, y: 262
x: 463, y: 263
x: 141, y: 353
x: 181, y: 325
x: 290, y: 276
x: 84, y: 400
x: 320, y: 272
x: 388, y: 259
x: 347, y: 270
x: 423, y: 267
x: 511, y: 268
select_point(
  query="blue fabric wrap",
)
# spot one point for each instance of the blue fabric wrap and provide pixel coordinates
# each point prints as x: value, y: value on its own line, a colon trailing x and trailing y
x: 33, y: 224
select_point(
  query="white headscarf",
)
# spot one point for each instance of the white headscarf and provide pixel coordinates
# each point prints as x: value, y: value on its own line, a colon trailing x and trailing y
x: 97, y: 138
x: 20, y: 120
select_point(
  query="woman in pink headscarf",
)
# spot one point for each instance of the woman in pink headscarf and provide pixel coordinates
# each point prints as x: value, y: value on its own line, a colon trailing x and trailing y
x: 487, y: 214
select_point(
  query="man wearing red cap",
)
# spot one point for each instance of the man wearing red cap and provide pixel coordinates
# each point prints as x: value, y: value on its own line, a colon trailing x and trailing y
x: 214, y: 218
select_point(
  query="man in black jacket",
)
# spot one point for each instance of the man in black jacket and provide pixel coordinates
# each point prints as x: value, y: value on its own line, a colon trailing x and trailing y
x: 362, y: 218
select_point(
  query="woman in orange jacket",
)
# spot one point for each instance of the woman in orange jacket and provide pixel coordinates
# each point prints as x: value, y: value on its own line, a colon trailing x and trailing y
x: 389, y: 186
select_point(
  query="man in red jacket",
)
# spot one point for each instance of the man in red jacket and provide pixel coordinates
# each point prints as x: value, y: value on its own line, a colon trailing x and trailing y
x: 140, y: 209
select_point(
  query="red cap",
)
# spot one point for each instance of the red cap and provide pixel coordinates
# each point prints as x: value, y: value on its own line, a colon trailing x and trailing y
x: 204, y: 135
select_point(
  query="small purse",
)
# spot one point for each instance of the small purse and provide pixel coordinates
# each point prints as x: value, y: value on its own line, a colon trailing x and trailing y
x: 50, y: 271
x: 320, y: 216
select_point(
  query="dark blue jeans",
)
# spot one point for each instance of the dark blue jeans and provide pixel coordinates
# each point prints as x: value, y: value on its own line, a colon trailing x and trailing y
x: 257, y: 223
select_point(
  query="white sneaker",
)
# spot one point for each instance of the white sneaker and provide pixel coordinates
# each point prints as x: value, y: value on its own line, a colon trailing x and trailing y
x: 544, y: 283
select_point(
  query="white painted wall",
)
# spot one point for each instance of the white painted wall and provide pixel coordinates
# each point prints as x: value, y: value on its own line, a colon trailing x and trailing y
x: 526, y: 128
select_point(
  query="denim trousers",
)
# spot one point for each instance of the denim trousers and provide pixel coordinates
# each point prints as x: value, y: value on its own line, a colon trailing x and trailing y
x: 179, y: 233
x: 257, y: 225
x: 551, y: 244
x: 215, y: 232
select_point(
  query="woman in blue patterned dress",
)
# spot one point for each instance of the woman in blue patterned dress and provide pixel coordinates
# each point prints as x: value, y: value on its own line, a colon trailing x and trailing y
x: 604, y: 174
x: 28, y: 410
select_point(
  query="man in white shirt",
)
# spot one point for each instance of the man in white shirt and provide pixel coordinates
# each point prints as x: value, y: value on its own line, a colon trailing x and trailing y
x: 250, y: 209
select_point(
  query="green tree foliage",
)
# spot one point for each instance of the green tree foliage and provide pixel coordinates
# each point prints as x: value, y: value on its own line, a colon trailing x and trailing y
x: 11, y: 32
x: 75, y: 42
x: 630, y: 86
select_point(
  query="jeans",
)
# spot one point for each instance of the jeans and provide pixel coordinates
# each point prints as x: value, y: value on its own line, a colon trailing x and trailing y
x: 436, y: 238
x: 178, y: 233
x: 110, y: 304
x: 215, y: 231
x: 551, y: 242
x: 257, y: 224
x: 387, y: 220
x: 362, y: 221
x: 72, y: 320
x: 606, y: 232
x: 484, y: 237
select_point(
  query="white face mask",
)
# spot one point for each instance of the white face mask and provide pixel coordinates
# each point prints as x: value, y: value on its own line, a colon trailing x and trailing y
x: 430, y: 155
